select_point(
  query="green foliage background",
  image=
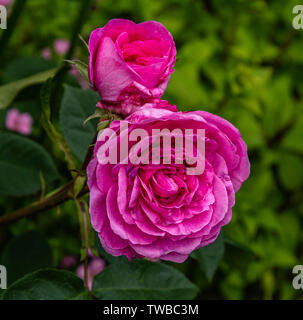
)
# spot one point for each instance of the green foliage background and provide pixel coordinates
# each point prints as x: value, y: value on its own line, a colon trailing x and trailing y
x: 240, y: 59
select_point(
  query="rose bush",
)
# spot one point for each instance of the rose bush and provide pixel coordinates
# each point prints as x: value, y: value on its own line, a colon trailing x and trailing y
x: 130, y: 64
x: 158, y: 211
x: 234, y: 66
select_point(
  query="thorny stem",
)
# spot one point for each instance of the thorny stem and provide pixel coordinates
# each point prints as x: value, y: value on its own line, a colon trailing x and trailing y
x: 65, y: 193
x: 56, y: 198
x: 62, y: 195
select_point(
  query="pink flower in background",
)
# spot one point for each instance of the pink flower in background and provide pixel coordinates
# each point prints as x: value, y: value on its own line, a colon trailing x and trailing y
x: 19, y: 122
x: 95, y: 266
x: 61, y: 46
x: 158, y: 211
x: 46, y: 53
x: 68, y: 261
x: 6, y: 2
x: 130, y: 64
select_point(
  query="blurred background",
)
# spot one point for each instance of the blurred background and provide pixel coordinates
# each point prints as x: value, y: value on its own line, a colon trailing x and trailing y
x: 239, y: 59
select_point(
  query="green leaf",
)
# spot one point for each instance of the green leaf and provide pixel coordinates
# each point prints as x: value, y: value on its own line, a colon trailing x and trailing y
x: 294, y: 137
x: 46, y: 284
x: 21, y: 161
x: 9, y: 91
x: 141, y: 279
x: 24, y: 67
x: 209, y: 257
x: 290, y: 170
x: 277, y: 112
x: 53, y: 134
x: 84, y: 42
x: 79, y: 184
x: 24, y: 254
x: 246, y: 122
x: 78, y: 105
x: 98, y: 114
x: 184, y: 87
x: 82, y: 68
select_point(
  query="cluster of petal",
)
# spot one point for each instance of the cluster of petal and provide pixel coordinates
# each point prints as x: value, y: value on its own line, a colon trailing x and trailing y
x: 130, y: 64
x: 158, y: 211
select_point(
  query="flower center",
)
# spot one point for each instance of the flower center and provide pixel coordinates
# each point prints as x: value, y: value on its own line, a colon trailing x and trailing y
x: 143, y: 53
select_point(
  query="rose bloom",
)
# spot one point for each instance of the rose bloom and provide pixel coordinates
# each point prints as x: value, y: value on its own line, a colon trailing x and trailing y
x: 61, y: 46
x: 46, y: 53
x: 130, y: 64
x: 68, y: 261
x: 158, y: 211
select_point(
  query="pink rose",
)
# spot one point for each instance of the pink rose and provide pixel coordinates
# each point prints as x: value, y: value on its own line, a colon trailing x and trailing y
x: 46, y: 53
x: 159, y: 211
x: 130, y: 64
x: 19, y: 122
x: 68, y: 261
x: 61, y: 46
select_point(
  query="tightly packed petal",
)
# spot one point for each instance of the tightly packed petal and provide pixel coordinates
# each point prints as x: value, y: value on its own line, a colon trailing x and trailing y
x: 130, y: 64
x: 156, y: 209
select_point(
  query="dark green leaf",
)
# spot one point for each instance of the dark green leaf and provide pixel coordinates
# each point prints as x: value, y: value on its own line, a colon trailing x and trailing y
x: 294, y: 137
x: 9, y: 91
x: 21, y: 161
x: 24, y: 254
x: 25, y: 67
x: 141, y: 279
x: 78, y: 105
x: 290, y: 170
x: 47, y: 284
x: 52, y: 132
x: 210, y: 256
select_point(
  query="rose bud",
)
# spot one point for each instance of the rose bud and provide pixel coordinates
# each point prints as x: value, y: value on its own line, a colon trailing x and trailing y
x: 95, y: 266
x: 130, y: 64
